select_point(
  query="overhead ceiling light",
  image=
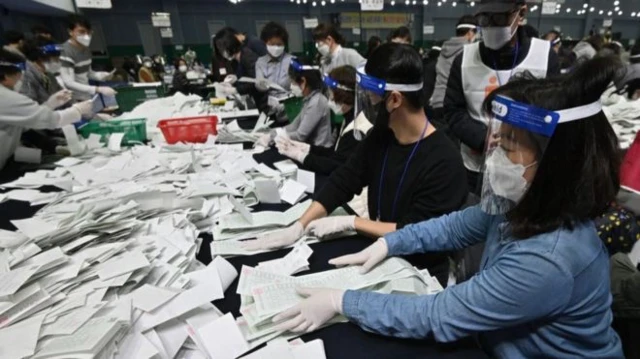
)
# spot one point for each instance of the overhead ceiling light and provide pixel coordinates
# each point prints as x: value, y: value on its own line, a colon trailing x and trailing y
x: 610, y: 13
x: 393, y: 2
x: 600, y: 12
x: 616, y: 3
x: 439, y: 4
x: 313, y: 3
x: 323, y: 3
x: 558, y: 6
x: 617, y: 8
x: 633, y: 14
x: 414, y: 2
x: 620, y: 13
x: 568, y: 9
x: 592, y: 9
x: 425, y: 2
x: 454, y: 4
x: 585, y: 6
x: 472, y: 4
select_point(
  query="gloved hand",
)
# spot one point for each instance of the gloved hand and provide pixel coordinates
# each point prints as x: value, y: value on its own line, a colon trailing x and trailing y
x: 264, y: 140
x: 304, y: 147
x: 319, y: 306
x: 85, y: 108
x: 273, y: 102
x: 231, y: 79
x: 367, y: 257
x: 225, y: 89
x: 292, y: 152
x: 107, y: 91
x: 327, y: 226
x: 262, y: 85
x: 58, y: 99
x: 276, y: 239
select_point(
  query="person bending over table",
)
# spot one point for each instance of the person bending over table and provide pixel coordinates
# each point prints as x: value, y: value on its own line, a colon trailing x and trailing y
x: 543, y: 289
x: 18, y: 112
x: 313, y: 123
x: 413, y: 172
x: 341, y: 83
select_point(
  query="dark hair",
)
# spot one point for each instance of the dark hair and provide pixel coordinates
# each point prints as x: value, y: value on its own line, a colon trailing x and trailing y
x: 176, y: 62
x: 401, y: 32
x: 322, y: 31
x: 345, y: 76
x: 555, y: 34
x: 613, y: 48
x: 226, y: 40
x: 12, y: 37
x: 273, y: 29
x: 32, y: 49
x: 530, y: 31
x: 313, y: 77
x: 372, y: 44
x: 635, y: 50
x: 76, y: 20
x: 577, y: 177
x: 40, y: 29
x: 398, y: 64
x: 466, y: 19
x: 596, y: 41
x: 6, y: 56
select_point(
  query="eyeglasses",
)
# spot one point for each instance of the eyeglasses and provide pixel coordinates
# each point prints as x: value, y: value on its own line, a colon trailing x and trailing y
x: 494, y: 19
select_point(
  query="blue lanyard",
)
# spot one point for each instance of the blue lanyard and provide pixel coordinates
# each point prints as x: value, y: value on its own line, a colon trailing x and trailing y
x: 515, y: 61
x: 406, y: 167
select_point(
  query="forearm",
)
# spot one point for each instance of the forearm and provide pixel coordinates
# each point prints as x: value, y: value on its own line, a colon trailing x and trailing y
x: 373, y: 229
x: 315, y: 211
x: 455, y: 231
x: 71, y: 84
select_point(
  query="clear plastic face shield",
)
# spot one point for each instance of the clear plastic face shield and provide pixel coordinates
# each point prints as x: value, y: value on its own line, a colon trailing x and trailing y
x: 370, y: 96
x: 299, y: 68
x: 517, y: 138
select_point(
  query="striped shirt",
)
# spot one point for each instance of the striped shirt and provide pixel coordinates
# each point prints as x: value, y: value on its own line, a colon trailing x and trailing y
x: 78, y: 59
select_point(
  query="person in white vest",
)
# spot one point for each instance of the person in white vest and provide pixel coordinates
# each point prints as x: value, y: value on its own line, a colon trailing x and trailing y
x: 482, y: 67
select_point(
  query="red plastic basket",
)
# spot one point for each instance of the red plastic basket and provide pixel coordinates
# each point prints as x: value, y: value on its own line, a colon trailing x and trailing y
x: 190, y: 129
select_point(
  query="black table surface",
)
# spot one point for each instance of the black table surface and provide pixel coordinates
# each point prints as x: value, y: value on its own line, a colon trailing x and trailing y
x: 343, y: 340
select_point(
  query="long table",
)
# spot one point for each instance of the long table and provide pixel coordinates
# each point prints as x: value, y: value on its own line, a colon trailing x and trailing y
x: 344, y: 340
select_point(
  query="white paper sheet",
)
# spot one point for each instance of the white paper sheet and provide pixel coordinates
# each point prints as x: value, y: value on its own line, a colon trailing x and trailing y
x: 292, y: 191
x: 267, y: 191
x: 308, y: 179
x: 115, y: 141
x: 222, y: 338
x: 149, y: 297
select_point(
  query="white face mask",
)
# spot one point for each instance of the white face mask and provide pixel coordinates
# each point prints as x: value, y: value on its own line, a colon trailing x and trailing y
x: 52, y: 67
x: 323, y: 49
x: 335, y: 107
x: 496, y: 37
x: 275, y: 51
x: 182, y: 68
x: 227, y: 56
x: 148, y: 64
x: 18, y: 86
x: 296, y: 90
x: 84, y: 40
x: 505, y: 177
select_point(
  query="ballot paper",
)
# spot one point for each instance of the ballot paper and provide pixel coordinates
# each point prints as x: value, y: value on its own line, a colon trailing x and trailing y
x: 292, y: 191
x: 115, y: 140
x: 294, y: 262
x: 149, y: 297
x: 223, y: 339
x: 267, y: 191
x: 306, y: 178
x: 286, y: 167
x: 20, y: 340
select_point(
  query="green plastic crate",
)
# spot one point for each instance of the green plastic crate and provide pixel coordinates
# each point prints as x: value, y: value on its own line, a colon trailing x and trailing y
x: 135, y: 130
x: 293, y: 106
x: 130, y: 97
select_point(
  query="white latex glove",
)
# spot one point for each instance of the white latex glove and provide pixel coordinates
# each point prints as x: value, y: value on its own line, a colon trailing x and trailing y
x: 225, y: 89
x: 107, y: 91
x: 273, y: 102
x: 305, y: 147
x: 292, y: 152
x: 262, y: 85
x: 85, y: 108
x: 276, y: 239
x: 58, y: 99
x: 319, y: 306
x: 323, y: 227
x: 367, y: 257
x: 231, y: 79
x: 264, y: 140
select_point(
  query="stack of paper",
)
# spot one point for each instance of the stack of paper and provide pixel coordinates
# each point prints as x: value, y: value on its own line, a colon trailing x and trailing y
x: 265, y: 294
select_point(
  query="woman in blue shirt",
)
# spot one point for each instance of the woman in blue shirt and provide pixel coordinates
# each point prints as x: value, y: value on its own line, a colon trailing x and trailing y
x: 543, y: 289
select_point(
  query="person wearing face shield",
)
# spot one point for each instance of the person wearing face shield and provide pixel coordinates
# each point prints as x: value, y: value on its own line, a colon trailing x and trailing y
x: 38, y: 81
x: 19, y: 113
x: 274, y: 67
x: 76, y: 62
x: 147, y: 72
x: 341, y: 84
x: 412, y: 171
x: 543, y: 289
x: 504, y: 51
x: 329, y: 45
x: 466, y: 31
x: 313, y: 124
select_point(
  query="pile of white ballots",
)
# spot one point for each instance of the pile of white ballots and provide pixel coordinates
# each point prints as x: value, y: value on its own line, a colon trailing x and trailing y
x: 107, y: 268
x: 265, y: 294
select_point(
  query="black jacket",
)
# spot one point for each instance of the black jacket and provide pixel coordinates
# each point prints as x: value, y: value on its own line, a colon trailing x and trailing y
x: 461, y: 124
x: 324, y: 160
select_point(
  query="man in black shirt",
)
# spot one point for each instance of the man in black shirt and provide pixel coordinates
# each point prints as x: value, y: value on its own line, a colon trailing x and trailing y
x: 413, y: 172
x: 482, y: 67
